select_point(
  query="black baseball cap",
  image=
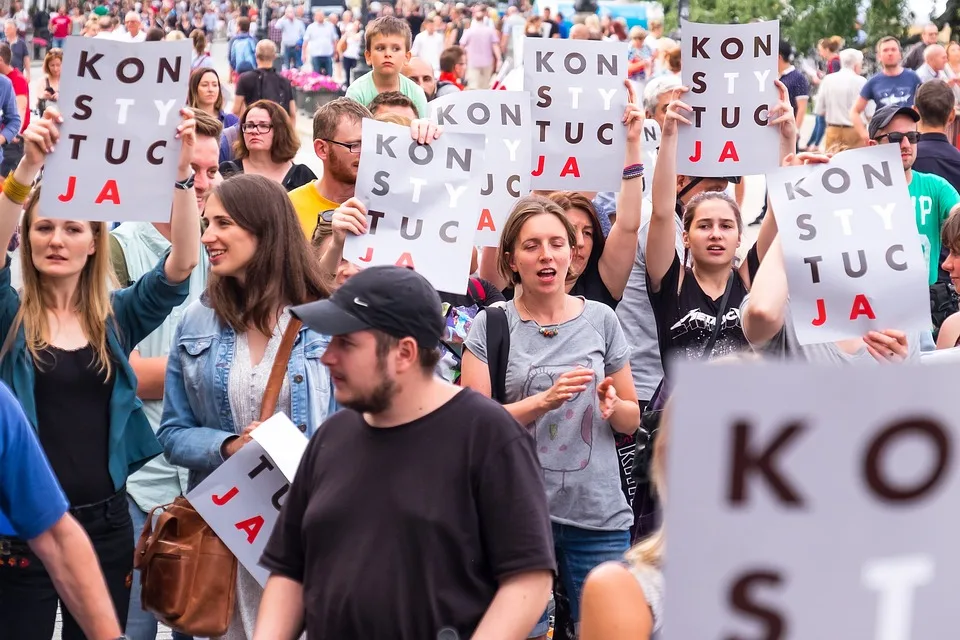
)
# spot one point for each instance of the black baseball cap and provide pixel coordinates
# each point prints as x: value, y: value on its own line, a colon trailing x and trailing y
x: 884, y: 115
x: 398, y: 301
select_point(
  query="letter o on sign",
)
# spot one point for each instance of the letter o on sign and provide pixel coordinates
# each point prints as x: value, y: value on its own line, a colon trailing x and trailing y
x: 916, y: 428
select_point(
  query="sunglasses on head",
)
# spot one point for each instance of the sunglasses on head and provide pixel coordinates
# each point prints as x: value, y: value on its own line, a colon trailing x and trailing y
x: 896, y: 137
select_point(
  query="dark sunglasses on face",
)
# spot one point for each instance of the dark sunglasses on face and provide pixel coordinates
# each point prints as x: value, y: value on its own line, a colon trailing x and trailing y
x: 896, y: 137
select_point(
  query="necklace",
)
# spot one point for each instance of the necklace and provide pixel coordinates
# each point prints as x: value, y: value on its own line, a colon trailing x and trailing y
x: 550, y: 331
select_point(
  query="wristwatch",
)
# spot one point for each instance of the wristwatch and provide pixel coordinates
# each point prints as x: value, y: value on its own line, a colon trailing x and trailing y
x: 187, y: 184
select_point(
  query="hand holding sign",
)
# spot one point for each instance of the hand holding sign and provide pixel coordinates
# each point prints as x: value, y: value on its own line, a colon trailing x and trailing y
x: 349, y: 217
x: 187, y: 133
x: 633, y: 115
x: 887, y: 346
x: 40, y: 138
x: 782, y: 115
x: 673, y: 115
x: 424, y: 131
x: 232, y: 446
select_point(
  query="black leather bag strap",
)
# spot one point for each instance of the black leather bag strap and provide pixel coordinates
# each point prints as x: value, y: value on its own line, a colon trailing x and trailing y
x: 498, y: 352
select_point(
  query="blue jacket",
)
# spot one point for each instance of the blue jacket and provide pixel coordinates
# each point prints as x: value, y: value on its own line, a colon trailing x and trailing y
x: 10, y: 120
x: 197, y: 418
x: 138, y: 310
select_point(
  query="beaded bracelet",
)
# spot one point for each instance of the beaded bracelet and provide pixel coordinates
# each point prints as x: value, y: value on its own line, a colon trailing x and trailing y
x: 632, y: 171
x: 15, y: 191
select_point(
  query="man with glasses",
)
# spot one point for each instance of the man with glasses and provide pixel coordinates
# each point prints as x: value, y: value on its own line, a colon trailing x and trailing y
x: 932, y: 196
x: 134, y: 28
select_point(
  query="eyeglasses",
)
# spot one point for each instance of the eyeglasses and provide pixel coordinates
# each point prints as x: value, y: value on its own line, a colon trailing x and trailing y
x: 896, y: 137
x: 259, y: 127
x: 352, y: 147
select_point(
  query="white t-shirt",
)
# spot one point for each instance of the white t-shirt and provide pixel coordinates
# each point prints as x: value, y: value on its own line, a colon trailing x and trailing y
x: 126, y: 37
x: 319, y: 39
x: 428, y: 48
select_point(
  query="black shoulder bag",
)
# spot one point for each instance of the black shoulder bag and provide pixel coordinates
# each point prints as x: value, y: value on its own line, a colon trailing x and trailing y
x: 498, y: 352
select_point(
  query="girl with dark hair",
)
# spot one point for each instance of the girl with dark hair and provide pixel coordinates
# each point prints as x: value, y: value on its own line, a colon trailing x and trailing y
x: 226, y: 344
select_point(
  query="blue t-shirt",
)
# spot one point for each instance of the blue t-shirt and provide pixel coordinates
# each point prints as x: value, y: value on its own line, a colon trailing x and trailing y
x: 898, y: 90
x: 31, y: 500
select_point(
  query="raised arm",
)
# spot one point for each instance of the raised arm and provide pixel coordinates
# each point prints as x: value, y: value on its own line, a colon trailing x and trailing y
x: 661, y: 246
x: 620, y: 250
x: 763, y: 314
x: 39, y: 139
x: 185, y: 219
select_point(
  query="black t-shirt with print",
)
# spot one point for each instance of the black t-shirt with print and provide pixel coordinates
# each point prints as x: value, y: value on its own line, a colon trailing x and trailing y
x: 397, y: 533
x: 685, y: 320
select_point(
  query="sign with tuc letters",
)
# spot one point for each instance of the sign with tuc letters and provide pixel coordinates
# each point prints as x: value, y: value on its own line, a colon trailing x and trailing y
x: 241, y: 500
x: 790, y: 519
x: 578, y: 99
x: 851, y: 251
x: 423, y: 203
x: 504, y: 118
x: 117, y: 155
x: 730, y: 70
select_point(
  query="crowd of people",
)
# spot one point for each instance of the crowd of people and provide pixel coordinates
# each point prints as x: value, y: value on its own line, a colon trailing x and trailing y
x: 465, y: 468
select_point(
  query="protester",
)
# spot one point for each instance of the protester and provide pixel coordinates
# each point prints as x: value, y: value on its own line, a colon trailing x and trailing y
x: 264, y: 83
x: 226, y: 343
x: 243, y: 50
x: 914, y: 58
x: 68, y: 341
x: 201, y: 59
x: 936, y: 106
x: 798, y: 89
x: 934, y: 64
x: 473, y: 494
x: 657, y: 96
x: 60, y: 27
x: 625, y: 599
x: 566, y: 355
x: 291, y: 30
x: 267, y: 147
x: 319, y: 43
x: 422, y: 75
x: 387, y: 50
x: 827, y: 49
x: 950, y: 330
x: 13, y: 149
x: 393, y: 102
x: 33, y: 504
x: 452, y: 68
x: 600, y: 266
x: 639, y: 56
x: 135, y: 247
x: 205, y: 94
x: 838, y: 93
x: 482, y: 46
x: 19, y: 52
x: 428, y: 44
x: 893, y: 86
x: 349, y: 49
x: 46, y: 89
x: 134, y: 28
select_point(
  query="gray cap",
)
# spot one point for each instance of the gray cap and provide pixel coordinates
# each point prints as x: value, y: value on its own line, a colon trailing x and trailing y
x: 884, y: 115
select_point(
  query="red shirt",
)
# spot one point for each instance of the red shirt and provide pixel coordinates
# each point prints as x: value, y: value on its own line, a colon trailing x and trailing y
x: 61, y: 26
x: 21, y: 88
x: 445, y: 76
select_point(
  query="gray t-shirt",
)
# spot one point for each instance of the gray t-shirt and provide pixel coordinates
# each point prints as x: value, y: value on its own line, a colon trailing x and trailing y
x: 651, y: 582
x: 786, y: 345
x: 575, y: 445
x: 639, y: 322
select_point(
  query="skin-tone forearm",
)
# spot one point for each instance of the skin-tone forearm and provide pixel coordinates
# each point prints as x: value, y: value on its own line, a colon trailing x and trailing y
x: 330, y: 260
x: 150, y: 374
x: 516, y: 607
x: 69, y: 558
x: 626, y: 417
x: 10, y: 211
x: 184, y: 232
x: 281, y: 610
x: 527, y: 411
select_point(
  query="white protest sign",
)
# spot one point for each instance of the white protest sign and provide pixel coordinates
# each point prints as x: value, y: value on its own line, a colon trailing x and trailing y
x: 651, y: 149
x: 822, y: 506
x: 423, y: 203
x: 118, y: 152
x: 852, y: 254
x: 241, y: 502
x: 504, y: 118
x: 730, y: 69
x: 578, y: 103
x: 283, y: 442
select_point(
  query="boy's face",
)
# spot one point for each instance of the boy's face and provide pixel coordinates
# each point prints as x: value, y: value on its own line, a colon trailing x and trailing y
x: 387, y: 54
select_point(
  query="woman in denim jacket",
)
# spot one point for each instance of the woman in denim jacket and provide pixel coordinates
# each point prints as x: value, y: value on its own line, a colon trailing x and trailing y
x: 222, y: 353
x: 66, y: 342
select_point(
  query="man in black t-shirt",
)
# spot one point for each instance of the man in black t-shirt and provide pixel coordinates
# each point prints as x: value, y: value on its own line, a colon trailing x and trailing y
x: 264, y: 83
x: 417, y: 512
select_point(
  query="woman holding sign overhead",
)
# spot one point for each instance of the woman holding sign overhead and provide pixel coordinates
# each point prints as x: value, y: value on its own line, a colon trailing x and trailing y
x: 67, y: 340
x: 222, y: 355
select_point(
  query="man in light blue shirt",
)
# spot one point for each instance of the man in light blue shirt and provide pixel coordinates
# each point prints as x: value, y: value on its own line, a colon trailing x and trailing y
x: 291, y: 30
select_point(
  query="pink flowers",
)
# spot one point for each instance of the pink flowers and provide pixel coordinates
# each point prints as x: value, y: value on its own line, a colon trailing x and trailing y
x: 311, y: 81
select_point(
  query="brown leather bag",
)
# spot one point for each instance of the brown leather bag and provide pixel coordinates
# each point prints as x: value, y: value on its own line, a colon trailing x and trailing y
x: 188, y: 575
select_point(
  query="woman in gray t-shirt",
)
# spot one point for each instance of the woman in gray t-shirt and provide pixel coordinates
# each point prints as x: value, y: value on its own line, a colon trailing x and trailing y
x: 568, y: 379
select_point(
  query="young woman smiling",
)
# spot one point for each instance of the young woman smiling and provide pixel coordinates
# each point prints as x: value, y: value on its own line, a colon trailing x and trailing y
x: 226, y: 344
x: 267, y: 146
x: 568, y: 379
x: 65, y: 355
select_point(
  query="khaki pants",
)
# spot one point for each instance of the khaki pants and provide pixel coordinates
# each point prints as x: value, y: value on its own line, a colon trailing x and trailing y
x: 841, y: 138
x: 479, y: 77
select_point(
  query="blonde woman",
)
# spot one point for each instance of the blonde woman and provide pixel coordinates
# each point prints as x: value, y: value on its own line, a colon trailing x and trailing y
x: 45, y: 91
x: 625, y: 599
x: 65, y: 355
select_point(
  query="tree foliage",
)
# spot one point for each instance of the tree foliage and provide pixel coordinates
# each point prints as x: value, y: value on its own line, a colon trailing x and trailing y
x: 888, y: 18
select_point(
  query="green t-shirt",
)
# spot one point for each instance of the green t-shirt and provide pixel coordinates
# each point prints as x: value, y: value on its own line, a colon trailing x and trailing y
x: 933, y: 198
x: 364, y: 91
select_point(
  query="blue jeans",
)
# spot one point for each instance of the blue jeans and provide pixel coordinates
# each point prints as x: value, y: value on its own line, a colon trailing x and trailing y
x: 58, y: 43
x: 579, y: 551
x: 141, y: 625
x: 291, y: 57
x: 819, y: 130
x: 322, y: 65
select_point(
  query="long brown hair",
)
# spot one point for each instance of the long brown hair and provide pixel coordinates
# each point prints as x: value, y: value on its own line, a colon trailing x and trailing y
x: 92, y: 300
x: 283, y: 269
x: 285, y: 143
x: 193, y: 97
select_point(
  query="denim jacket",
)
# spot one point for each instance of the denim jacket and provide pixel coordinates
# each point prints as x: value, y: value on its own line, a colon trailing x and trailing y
x: 138, y: 310
x: 197, y: 418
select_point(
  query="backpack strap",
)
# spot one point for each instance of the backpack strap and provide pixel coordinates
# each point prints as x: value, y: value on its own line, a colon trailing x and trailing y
x: 498, y: 352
